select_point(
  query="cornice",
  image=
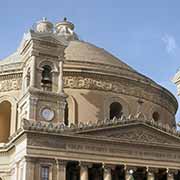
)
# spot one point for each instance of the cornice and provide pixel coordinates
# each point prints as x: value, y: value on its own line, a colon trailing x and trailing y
x: 61, y: 128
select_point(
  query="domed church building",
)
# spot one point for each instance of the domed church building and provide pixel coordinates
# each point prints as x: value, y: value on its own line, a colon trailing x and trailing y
x: 72, y: 111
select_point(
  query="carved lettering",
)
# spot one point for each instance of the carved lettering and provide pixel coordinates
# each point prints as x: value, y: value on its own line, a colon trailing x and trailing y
x: 79, y: 82
x: 10, y: 84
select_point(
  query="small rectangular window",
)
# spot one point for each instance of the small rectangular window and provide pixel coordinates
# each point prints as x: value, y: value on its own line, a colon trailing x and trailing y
x: 44, y: 172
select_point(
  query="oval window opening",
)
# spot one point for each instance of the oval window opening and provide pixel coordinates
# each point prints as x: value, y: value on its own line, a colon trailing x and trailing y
x: 155, y: 116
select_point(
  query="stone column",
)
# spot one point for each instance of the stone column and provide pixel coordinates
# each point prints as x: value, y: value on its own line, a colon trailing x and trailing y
x: 61, y: 169
x: 151, y: 173
x: 107, y: 172
x: 129, y: 172
x: 84, y: 170
x: 170, y: 174
x: 61, y: 83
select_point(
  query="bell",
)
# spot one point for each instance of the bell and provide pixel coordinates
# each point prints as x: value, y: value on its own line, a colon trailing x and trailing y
x: 46, y: 80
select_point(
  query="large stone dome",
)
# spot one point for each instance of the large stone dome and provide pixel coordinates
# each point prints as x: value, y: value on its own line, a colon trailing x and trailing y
x: 86, y: 52
x: 95, y: 79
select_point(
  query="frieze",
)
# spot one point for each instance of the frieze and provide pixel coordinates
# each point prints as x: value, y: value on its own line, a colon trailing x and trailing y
x: 46, y: 142
x: 122, y: 87
x: 103, y: 149
x: 124, y: 152
x: 10, y: 84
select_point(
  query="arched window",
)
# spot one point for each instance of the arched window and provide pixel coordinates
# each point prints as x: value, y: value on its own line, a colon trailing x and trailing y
x: 115, y: 110
x: 155, y: 116
x: 66, y: 115
x: 46, y: 81
x: 5, y: 120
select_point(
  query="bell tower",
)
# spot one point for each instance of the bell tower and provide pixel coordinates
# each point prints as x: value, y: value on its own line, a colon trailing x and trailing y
x: 42, y: 53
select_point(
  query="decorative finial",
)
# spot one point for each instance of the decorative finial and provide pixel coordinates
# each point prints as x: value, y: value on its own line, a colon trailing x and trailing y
x: 44, y: 26
x: 44, y: 19
x: 65, y: 29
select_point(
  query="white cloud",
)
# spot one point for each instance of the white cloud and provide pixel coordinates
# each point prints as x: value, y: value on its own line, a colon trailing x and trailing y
x: 170, y: 44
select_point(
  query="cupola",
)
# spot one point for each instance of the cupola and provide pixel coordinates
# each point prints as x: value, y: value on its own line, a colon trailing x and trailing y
x: 66, y: 29
x: 44, y: 26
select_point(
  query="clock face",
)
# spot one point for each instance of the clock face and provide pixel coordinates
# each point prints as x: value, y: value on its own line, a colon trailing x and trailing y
x: 48, y: 114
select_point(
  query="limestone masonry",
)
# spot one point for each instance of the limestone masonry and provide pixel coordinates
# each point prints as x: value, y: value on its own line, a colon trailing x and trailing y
x: 72, y: 111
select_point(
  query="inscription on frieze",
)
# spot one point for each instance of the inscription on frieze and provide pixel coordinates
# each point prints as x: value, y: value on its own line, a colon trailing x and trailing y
x: 101, y: 149
x: 124, y: 152
x: 10, y: 84
x: 78, y: 82
x: 47, y: 142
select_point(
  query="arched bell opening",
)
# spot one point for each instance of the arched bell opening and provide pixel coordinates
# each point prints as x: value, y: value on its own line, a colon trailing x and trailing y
x: 5, y: 121
x: 46, y: 81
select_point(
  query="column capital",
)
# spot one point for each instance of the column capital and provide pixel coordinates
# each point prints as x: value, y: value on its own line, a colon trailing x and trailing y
x: 171, y: 171
x: 30, y: 159
x: 85, y: 164
x: 61, y: 162
x: 129, y: 167
x: 152, y: 170
x: 108, y: 166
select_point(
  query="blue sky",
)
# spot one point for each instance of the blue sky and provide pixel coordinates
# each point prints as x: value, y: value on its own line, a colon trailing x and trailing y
x: 144, y: 34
